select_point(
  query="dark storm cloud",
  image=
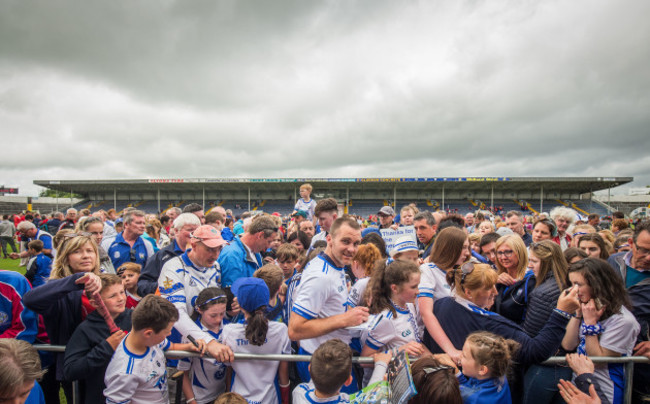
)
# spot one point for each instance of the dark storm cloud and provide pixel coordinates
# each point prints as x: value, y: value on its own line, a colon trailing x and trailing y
x: 262, y: 89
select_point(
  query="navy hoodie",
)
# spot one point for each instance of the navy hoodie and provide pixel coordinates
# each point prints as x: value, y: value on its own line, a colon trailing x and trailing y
x: 88, y: 354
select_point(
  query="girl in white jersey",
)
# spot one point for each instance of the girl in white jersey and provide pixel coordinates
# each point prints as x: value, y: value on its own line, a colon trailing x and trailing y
x: 255, y: 380
x: 450, y: 249
x: 394, y: 288
x: 204, y: 378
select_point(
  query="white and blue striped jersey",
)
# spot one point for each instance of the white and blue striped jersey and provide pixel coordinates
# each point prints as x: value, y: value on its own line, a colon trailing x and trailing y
x: 357, y: 291
x: 207, y: 375
x: 322, y: 293
x: 255, y: 380
x: 390, y: 331
x: 180, y: 282
x: 433, y: 282
x: 137, y: 379
x: 307, y: 206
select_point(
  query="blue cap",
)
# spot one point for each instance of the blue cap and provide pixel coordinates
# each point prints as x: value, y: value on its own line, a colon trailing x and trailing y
x: 251, y: 293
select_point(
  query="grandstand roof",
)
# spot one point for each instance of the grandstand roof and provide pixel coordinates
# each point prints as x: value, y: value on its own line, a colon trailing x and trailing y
x: 462, y: 184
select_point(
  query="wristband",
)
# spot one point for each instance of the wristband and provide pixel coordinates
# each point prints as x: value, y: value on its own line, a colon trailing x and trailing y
x: 563, y: 313
x: 285, y: 385
x: 591, y: 329
x: 189, y: 400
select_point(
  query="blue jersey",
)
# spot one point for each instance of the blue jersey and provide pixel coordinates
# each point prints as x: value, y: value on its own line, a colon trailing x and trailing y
x: 120, y: 251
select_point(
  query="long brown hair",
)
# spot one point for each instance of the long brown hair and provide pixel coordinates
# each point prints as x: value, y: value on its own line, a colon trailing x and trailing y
x: 551, y: 261
x: 448, y: 247
x: 383, y: 276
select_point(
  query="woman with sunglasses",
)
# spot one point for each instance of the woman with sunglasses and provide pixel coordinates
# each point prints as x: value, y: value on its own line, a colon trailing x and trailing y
x: 466, y: 311
x: 62, y: 300
x: 547, y: 262
x: 514, y: 280
x: 603, y: 325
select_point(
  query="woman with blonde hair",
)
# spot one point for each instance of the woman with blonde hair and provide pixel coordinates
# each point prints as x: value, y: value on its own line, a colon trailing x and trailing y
x: 62, y: 300
x: 551, y: 270
x: 514, y: 281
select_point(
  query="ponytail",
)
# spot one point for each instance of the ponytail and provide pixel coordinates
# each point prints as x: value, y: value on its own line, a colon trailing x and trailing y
x: 257, y: 326
x: 492, y: 351
x: 383, y: 276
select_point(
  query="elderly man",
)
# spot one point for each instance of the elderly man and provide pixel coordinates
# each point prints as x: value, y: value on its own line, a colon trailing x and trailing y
x: 30, y: 232
x: 242, y: 257
x: 563, y: 218
x: 386, y: 215
x: 634, y: 265
x: 326, y: 212
x: 70, y: 219
x: 425, y: 230
x: 319, y: 307
x: 515, y: 222
x: 469, y: 222
x: 128, y: 246
x: 183, y: 277
x: 184, y: 225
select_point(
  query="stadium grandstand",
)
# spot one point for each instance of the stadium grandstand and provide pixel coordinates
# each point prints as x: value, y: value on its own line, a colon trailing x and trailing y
x: 360, y: 196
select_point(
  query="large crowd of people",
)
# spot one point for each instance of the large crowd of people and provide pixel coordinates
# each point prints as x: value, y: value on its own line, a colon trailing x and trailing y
x: 478, y: 302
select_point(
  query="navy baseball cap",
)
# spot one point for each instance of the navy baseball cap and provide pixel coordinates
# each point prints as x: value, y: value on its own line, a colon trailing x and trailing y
x: 251, y: 293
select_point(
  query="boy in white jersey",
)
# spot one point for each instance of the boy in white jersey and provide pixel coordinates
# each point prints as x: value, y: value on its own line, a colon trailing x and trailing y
x: 305, y: 203
x: 330, y: 369
x: 319, y: 307
x: 137, y: 373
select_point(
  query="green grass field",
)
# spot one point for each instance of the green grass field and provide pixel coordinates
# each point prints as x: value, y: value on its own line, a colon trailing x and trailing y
x: 11, y: 265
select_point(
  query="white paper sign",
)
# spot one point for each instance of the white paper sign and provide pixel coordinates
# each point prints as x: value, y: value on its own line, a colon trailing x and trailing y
x: 390, y: 236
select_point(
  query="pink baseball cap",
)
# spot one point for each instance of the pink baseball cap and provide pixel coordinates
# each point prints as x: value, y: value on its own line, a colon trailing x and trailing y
x: 209, y: 236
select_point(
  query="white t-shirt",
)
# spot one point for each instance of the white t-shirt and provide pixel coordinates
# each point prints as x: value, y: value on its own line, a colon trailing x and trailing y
x: 356, y: 292
x: 322, y: 293
x: 207, y: 375
x: 138, y: 379
x: 254, y: 380
x: 433, y: 282
x: 390, y: 331
x: 619, y: 335
x: 307, y: 206
x: 180, y: 282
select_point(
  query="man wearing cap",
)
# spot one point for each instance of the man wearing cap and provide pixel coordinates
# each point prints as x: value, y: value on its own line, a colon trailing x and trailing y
x: 184, y: 225
x: 299, y: 217
x: 319, y: 307
x: 183, y: 277
x: 386, y: 215
x: 242, y: 257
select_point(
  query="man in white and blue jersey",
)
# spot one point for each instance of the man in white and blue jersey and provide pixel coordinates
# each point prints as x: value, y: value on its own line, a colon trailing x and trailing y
x: 319, y: 307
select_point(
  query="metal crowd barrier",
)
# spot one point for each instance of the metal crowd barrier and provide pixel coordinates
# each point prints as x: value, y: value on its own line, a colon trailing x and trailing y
x: 628, y: 361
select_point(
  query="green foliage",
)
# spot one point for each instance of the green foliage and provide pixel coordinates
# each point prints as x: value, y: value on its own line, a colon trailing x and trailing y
x: 54, y: 194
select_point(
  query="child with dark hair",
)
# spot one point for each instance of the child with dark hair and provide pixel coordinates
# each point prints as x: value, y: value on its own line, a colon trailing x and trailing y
x: 92, y: 344
x: 435, y: 382
x: 204, y: 379
x: 137, y: 373
x: 330, y: 369
x: 255, y: 380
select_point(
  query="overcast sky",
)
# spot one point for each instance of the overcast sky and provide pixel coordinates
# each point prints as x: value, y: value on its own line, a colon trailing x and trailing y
x: 173, y: 89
